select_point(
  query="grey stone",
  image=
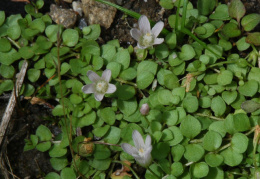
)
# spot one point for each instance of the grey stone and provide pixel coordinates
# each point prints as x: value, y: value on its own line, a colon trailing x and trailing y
x: 66, y: 17
x: 98, y: 13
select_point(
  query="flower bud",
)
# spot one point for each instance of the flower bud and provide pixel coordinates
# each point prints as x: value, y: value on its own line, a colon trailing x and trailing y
x: 144, y: 109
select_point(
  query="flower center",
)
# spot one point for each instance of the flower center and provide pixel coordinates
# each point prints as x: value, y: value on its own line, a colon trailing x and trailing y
x: 101, y: 86
x: 141, y: 151
x: 147, y: 40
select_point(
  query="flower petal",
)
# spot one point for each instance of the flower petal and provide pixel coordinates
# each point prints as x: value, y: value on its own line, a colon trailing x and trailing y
x: 129, y: 149
x: 148, y: 149
x: 148, y: 141
x: 158, y: 41
x: 99, y: 96
x: 144, y: 161
x: 89, y: 88
x: 141, y: 47
x: 93, y: 76
x: 111, y: 88
x: 144, y: 25
x: 135, y: 33
x: 106, y: 75
x: 138, y: 140
x: 157, y: 28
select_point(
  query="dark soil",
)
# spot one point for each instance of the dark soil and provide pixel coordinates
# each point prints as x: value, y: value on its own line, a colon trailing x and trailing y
x: 33, y: 164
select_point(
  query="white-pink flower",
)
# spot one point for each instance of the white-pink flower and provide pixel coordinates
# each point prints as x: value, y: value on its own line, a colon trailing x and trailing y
x: 145, y: 36
x: 100, y: 85
x: 142, y: 150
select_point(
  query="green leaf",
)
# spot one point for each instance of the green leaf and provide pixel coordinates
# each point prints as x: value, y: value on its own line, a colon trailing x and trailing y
x: 70, y: 37
x: 191, y: 104
x: 43, y: 133
x: 167, y: 135
x: 75, y: 99
x: 200, y: 170
x: 221, y: 13
x: 37, y: 24
x: 214, y: 160
x: 177, y: 152
x: 239, y: 142
x: 101, y: 131
x: 231, y: 157
x: 171, y: 40
x: 160, y: 150
x: 52, y: 175
x: 126, y: 133
x: 5, y: 45
x: 100, y: 164
x: 57, y: 151
x: 218, y: 50
x: 230, y: 30
x: 165, y: 97
x: 68, y: 173
x: 26, y: 52
x: 209, y: 30
x: 187, y: 52
x: 177, y: 169
x: 52, y: 31
x: 242, y: 44
x: 206, y: 7
x: 123, y: 58
x: 65, y: 67
x: 156, y: 169
x: 226, y: 45
x: 193, y: 152
x: 149, y: 66
x: 250, y: 88
x: 115, y: 68
x: 59, y: 163
x: 229, y: 96
x: 218, y: 106
x: 128, y: 74
x: 144, y: 79
x: 225, y: 77
x: 113, y: 135
x: 28, y: 90
x: 9, y: 57
x: 33, y: 74
x: 170, y: 117
x: 108, y: 52
x: 86, y: 120
x: 97, y: 62
x: 165, y: 166
x: 108, y: 115
x: 125, y: 92
x: 94, y: 33
x: 250, y: 21
x: 14, y: 32
x: 250, y: 106
x: 236, y: 9
x: 161, y: 51
x: 177, y: 136
x: 101, y: 152
x: 171, y: 81
x: 166, y: 4
x: 39, y: 4
x: 190, y: 127
x: 43, y: 146
x: 241, y: 122
x: 7, y: 71
x: 212, y: 141
x: 2, y: 17
x: 127, y: 107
